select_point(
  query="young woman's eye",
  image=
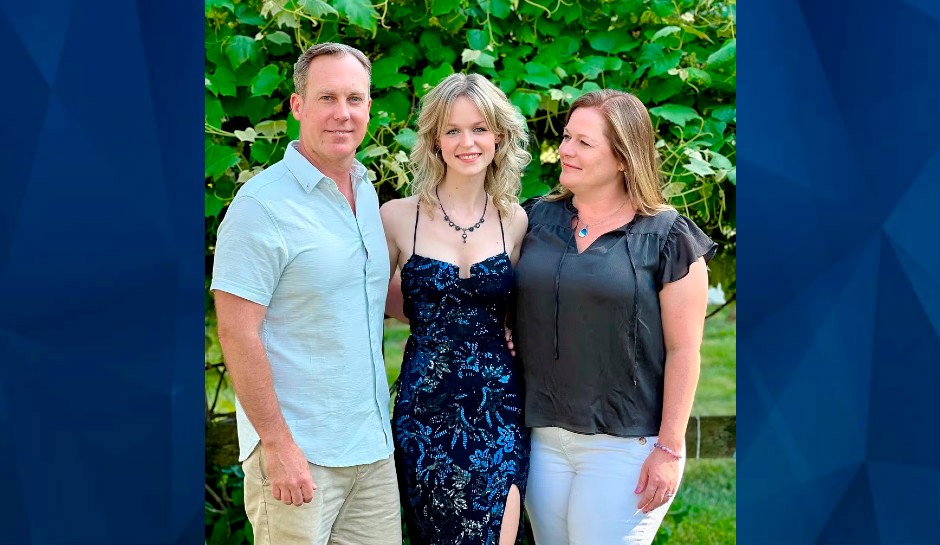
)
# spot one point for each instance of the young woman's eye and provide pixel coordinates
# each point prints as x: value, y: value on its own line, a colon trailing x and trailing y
x: 479, y: 129
x: 452, y: 131
x: 565, y: 137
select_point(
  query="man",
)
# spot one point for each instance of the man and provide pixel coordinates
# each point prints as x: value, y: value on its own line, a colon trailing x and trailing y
x: 300, y: 278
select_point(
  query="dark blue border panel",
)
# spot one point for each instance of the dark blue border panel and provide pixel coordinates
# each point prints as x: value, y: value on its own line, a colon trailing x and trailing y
x: 839, y: 272
x: 101, y: 272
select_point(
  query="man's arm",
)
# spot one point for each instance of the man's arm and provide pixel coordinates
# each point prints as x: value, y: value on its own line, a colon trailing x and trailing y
x: 247, y: 363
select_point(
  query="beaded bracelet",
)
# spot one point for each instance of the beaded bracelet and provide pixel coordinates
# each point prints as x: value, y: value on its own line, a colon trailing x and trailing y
x: 668, y: 451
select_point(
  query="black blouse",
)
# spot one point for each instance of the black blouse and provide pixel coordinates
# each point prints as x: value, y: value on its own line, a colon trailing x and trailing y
x: 588, y: 326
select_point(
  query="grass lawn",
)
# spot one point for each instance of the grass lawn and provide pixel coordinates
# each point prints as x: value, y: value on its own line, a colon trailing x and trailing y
x: 704, y: 510
x: 716, y: 386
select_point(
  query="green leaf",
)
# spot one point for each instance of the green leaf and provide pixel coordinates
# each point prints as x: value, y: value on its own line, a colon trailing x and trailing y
x: 395, y: 104
x: 316, y: 8
x: 271, y: 128
x: 571, y: 93
x: 733, y: 175
x: 222, y: 82
x: 293, y: 127
x: 406, y: 52
x: 266, y: 81
x: 590, y: 86
x: 665, y: 31
x: 663, y: 8
x: 385, y: 73
x: 699, y: 75
x: 497, y: 8
x: 220, y: 4
x: 720, y: 161
x: 407, y: 138
x: 372, y: 150
x: 477, y: 57
x: 279, y: 37
x: 559, y: 50
x: 360, y: 13
x: 431, y: 77
x: 539, y: 74
x: 698, y: 166
x: 262, y: 150
x: 650, y: 53
x: 726, y: 113
x: 441, y: 7
x: 660, y: 89
x: 613, y: 64
x: 434, y: 50
x: 532, y: 185
x: 215, y: 115
x: 674, y: 113
x: 527, y: 101
x: 591, y: 67
x: 512, y: 69
x: 214, y: 205
x: 477, y: 39
x: 612, y: 41
x: 239, y: 49
x: 666, y: 63
x: 726, y: 53
x: 248, y: 16
x: 247, y: 135
x: 219, y: 159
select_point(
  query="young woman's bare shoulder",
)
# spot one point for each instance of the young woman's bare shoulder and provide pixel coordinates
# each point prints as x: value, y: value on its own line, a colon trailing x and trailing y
x: 399, y: 212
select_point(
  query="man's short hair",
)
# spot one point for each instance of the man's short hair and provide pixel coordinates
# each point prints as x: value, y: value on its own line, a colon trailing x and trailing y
x: 302, y: 66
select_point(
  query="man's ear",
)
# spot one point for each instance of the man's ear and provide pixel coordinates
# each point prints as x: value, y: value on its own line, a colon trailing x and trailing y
x: 297, y: 104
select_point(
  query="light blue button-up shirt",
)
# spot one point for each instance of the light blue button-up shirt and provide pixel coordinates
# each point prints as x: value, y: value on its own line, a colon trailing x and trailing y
x: 290, y: 242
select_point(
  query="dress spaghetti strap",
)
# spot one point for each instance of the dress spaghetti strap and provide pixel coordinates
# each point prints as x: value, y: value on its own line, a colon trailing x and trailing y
x: 414, y: 241
x: 501, y: 231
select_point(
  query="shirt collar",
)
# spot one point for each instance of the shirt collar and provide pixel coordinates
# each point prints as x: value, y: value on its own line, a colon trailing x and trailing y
x: 309, y: 176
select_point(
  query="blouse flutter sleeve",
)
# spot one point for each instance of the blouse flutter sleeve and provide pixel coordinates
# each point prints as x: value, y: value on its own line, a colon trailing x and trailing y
x: 684, y: 245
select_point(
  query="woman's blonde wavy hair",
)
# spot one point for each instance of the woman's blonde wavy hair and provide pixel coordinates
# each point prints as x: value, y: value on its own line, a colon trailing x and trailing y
x: 630, y: 132
x: 503, y: 175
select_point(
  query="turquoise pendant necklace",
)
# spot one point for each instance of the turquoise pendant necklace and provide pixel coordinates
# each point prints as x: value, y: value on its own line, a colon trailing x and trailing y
x: 583, y: 232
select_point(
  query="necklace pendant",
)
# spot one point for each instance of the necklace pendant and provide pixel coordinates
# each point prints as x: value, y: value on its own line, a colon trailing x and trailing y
x: 583, y: 232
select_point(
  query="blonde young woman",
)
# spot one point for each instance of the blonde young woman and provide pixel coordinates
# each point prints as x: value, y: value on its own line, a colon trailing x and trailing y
x: 461, y: 446
x: 612, y: 290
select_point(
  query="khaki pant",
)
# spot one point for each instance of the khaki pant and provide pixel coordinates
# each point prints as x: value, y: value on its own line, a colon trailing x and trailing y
x: 355, y: 505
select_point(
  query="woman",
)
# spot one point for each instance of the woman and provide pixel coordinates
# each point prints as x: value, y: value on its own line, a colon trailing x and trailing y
x: 461, y: 445
x: 612, y: 291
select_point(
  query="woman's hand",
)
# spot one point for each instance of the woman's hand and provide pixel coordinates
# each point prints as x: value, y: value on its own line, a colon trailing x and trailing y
x: 509, y: 343
x: 659, y: 478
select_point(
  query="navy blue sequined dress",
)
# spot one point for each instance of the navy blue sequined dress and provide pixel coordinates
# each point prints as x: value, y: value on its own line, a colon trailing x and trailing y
x: 460, y: 438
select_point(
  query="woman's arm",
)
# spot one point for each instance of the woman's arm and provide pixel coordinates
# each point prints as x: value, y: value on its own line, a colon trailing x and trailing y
x: 392, y: 214
x: 683, y: 304
x: 516, y: 230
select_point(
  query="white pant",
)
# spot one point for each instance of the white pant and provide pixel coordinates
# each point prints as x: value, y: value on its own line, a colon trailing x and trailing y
x: 580, y: 489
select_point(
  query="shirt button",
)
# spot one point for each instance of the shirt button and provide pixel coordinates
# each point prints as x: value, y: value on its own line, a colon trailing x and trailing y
x: 642, y: 440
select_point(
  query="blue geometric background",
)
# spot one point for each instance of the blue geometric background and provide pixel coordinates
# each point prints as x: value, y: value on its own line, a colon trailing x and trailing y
x: 101, y: 272
x: 839, y: 272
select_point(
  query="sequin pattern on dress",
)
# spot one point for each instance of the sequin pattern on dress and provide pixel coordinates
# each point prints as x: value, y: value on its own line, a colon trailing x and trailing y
x: 460, y: 440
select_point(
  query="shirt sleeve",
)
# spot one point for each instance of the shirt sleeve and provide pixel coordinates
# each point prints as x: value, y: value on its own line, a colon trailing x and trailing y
x: 684, y: 245
x: 250, y: 253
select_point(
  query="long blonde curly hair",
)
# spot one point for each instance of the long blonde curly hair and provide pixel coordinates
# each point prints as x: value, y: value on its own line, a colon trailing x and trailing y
x: 630, y: 132
x: 503, y: 175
